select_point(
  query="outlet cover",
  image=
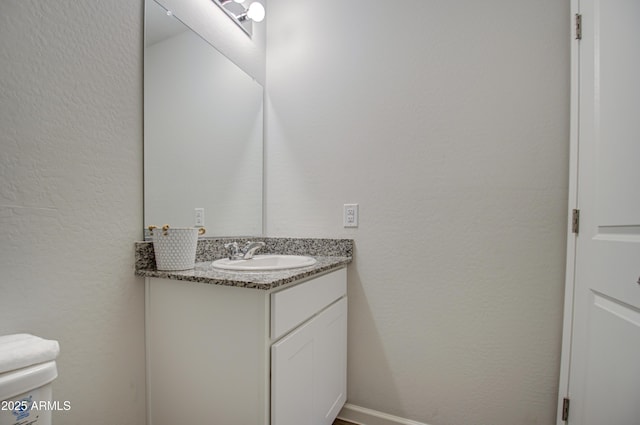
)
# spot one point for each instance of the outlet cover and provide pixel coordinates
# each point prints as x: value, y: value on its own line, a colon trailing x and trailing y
x: 350, y: 215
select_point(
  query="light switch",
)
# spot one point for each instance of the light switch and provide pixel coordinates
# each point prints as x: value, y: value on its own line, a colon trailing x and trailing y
x: 199, y: 217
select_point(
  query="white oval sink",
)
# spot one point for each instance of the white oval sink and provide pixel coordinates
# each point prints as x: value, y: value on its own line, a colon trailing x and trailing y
x: 265, y: 262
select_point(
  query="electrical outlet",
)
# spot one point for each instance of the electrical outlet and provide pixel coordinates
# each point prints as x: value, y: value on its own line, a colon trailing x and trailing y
x: 350, y: 215
x: 199, y: 217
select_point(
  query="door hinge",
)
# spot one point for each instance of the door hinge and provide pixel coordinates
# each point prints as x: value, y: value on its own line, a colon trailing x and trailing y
x: 578, y: 26
x: 575, y: 221
x: 565, y: 409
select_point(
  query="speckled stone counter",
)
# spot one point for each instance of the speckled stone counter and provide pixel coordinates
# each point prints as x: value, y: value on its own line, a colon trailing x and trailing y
x: 330, y: 254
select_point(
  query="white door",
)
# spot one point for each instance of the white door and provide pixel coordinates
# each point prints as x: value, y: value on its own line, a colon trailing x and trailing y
x: 601, y: 349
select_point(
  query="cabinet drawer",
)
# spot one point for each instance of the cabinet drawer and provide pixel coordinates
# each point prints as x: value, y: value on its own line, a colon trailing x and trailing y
x: 293, y: 306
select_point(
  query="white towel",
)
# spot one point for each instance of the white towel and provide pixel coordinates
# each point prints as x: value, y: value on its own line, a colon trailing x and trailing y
x: 22, y: 350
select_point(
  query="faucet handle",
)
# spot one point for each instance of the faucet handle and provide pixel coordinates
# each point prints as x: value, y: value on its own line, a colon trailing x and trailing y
x: 234, y: 250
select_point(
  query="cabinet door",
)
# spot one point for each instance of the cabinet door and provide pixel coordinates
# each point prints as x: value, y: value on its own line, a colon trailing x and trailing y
x: 330, y: 363
x: 309, y: 370
x: 292, y: 378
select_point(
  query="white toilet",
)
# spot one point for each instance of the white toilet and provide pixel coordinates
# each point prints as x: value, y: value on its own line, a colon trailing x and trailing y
x: 27, y: 368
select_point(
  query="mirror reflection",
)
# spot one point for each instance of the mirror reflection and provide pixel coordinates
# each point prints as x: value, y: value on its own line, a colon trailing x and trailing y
x: 203, y: 126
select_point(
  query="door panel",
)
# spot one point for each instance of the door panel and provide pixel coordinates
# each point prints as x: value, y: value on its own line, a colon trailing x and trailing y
x: 617, y: 110
x: 613, y: 387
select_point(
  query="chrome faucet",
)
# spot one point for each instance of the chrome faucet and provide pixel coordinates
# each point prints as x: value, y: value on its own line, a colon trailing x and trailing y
x: 235, y: 253
x: 250, y: 248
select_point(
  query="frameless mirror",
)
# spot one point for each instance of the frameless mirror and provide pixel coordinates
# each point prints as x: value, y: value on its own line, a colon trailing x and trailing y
x: 203, y: 132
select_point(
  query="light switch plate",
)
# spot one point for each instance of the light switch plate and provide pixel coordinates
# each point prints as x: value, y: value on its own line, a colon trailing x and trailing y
x: 199, y: 217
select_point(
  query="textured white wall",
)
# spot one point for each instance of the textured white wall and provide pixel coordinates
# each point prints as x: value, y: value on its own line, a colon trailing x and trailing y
x: 450, y: 131
x: 448, y: 123
x: 71, y: 197
x: 71, y: 190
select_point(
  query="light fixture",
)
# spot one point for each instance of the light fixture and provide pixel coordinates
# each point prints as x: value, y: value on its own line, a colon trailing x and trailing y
x: 255, y: 12
x: 242, y: 15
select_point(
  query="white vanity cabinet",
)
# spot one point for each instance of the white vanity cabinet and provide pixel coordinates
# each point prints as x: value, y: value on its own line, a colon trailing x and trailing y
x: 236, y: 356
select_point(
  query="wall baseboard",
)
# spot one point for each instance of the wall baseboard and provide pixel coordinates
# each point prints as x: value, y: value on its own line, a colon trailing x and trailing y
x: 363, y: 416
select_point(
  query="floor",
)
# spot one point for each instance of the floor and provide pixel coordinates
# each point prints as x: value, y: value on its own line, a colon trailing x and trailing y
x: 341, y: 422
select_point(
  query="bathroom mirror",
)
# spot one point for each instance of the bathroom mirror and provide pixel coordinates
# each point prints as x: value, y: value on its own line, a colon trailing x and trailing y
x: 203, y: 132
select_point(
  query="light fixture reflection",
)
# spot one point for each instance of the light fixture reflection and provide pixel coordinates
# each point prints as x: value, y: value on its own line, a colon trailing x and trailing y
x: 242, y: 14
x: 255, y: 12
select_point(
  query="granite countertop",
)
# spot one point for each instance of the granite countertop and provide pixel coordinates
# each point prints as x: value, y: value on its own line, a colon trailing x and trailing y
x: 206, y: 273
x: 330, y: 254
